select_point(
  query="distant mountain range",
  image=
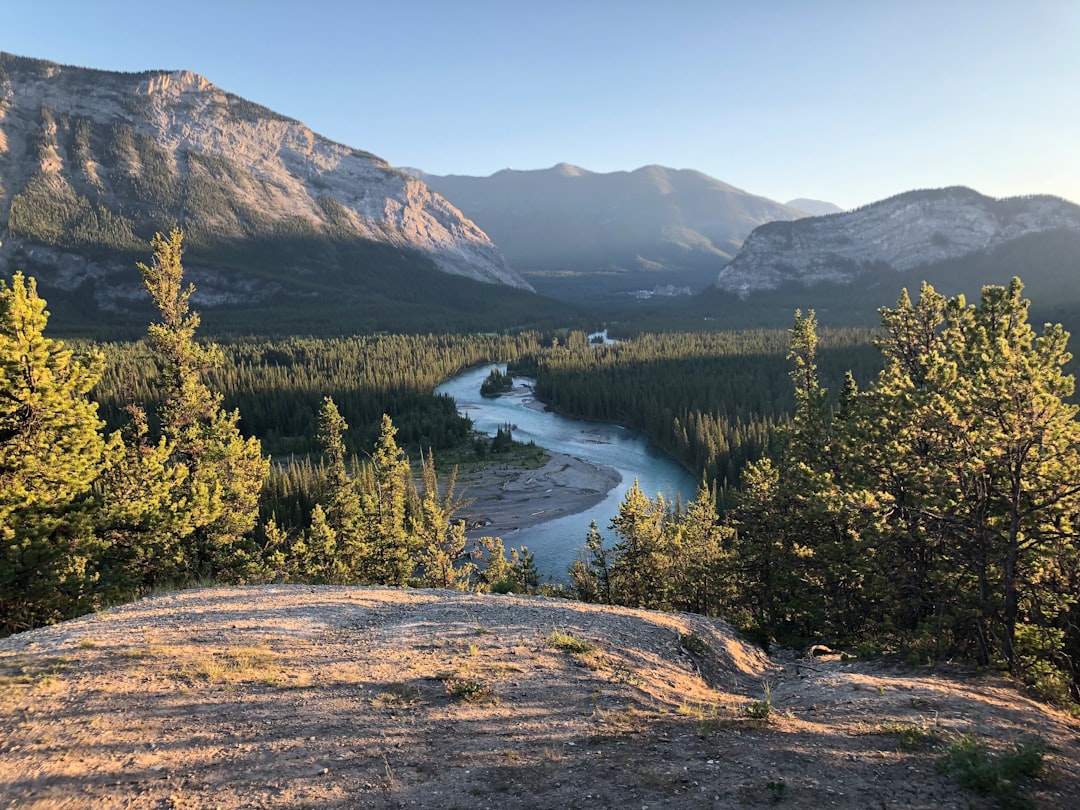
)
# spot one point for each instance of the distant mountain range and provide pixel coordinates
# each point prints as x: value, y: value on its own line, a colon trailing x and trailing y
x: 287, y: 231
x: 93, y: 163
x: 574, y: 232
x: 955, y: 238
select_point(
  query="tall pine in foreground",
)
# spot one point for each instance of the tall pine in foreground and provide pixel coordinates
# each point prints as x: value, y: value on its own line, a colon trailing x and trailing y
x: 224, y: 471
x: 51, y: 450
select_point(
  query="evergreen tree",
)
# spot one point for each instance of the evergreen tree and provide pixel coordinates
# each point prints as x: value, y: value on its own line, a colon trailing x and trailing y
x: 639, y: 527
x: 344, y: 560
x: 494, y: 572
x: 141, y: 516
x: 51, y: 451
x: 225, y: 472
x: 393, y: 549
x: 590, y: 576
x: 706, y: 561
x: 440, y: 538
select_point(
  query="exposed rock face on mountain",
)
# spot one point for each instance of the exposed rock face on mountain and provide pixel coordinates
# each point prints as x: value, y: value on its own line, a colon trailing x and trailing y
x: 902, y: 233
x: 92, y: 163
x: 814, y: 208
x: 677, y: 225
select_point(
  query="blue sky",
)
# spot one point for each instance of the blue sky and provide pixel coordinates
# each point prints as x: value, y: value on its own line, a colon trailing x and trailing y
x: 844, y: 101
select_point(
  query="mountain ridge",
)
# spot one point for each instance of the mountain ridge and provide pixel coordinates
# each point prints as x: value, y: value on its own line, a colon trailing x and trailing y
x: 93, y: 162
x: 902, y: 233
x: 649, y: 225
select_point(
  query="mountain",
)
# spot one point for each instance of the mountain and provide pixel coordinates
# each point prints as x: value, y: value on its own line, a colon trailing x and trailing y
x: 952, y: 237
x: 815, y: 208
x: 574, y: 232
x: 93, y: 163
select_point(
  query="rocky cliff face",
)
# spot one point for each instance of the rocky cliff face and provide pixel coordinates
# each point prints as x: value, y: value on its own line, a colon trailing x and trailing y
x: 92, y: 163
x: 901, y: 233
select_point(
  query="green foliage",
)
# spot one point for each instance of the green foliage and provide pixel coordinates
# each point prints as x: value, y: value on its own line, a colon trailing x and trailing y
x: 279, y: 385
x: 467, y: 689
x: 1000, y: 777
x: 712, y: 400
x: 910, y: 735
x: 761, y: 709
x: 496, y: 384
x: 224, y: 471
x: 51, y: 451
x: 568, y: 642
x: 666, y: 557
x: 934, y: 510
x: 695, y: 645
x: 441, y: 539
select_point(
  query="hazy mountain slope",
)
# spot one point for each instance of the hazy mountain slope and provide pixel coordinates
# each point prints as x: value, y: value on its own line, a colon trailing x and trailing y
x: 815, y: 208
x: 92, y: 163
x: 653, y: 224
x: 915, y: 231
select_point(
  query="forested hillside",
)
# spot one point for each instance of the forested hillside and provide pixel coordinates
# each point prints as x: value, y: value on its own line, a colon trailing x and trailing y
x: 711, y: 399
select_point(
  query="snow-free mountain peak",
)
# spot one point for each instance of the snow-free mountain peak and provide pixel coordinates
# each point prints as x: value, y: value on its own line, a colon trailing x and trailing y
x: 93, y: 163
x: 901, y: 233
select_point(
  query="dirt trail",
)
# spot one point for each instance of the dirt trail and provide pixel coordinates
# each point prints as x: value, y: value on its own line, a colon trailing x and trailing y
x: 293, y: 696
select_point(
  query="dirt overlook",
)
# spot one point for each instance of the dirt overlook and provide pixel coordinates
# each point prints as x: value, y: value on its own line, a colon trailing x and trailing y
x: 305, y: 697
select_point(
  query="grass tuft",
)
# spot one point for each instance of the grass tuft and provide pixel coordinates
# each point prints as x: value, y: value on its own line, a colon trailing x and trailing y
x: 569, y: 643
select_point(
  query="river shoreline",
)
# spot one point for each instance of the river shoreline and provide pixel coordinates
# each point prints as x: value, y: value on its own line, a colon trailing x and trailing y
x: 505, y: 500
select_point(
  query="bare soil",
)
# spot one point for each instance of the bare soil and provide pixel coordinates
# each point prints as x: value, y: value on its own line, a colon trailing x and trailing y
x: 298, y: 696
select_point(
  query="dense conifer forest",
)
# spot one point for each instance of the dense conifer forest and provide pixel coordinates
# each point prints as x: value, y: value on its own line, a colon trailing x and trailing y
x: 911, y: 490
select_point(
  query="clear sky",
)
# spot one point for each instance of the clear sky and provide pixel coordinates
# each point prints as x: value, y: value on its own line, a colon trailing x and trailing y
x: 843, y: 101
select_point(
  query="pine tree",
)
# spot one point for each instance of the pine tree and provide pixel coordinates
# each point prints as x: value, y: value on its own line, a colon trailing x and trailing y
x: 51, y: 451
x: 639, y: 527
x: 141, y: 517
x: 440, y: 538
x: 1016, y: 477
x: 590, y: 576
x: 393, y: 550
x: 341, y: 508
x: 225, y: 471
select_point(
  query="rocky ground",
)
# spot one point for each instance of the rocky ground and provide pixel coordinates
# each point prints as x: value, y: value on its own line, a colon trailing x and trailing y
x: 505, y: 498
x: 297, y: 696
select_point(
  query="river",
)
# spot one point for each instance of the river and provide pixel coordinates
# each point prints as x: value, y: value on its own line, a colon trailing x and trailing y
x: 557, y: 543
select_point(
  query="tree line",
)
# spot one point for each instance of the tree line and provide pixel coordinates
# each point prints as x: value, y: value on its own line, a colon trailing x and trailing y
x: 932, y: 513
x: 90, y: 516
x: 712, y: 400
x: 928, y: 506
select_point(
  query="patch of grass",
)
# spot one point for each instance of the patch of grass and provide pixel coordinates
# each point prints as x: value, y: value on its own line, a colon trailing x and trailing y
x: 695, y: 645
x: 1000, y: 777
x: 761, y: 709
x: 467, y: 689
x: 232, y: 666
x: 87, y: 644
x: 618, y: 723
x: 31, y: 672
x: 568, y: 642
x: 396, y: 694
x: 778, y: 788
x: 706, y: 716
x: 909, y: 735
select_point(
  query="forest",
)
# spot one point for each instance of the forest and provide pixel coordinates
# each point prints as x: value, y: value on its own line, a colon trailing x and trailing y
x: 911, y: 490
